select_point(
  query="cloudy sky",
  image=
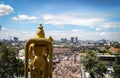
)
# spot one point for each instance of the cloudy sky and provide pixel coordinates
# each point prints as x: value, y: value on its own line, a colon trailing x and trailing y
x: 85, y: 19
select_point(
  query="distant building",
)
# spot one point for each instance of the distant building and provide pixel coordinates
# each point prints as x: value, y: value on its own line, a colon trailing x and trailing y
x: 15, y: 39
x: 63, y: 40
x: 110, y: 59
x: 112, y: 49
x: 21, y: 54
x: 0, y: 27
x: 74, y: 39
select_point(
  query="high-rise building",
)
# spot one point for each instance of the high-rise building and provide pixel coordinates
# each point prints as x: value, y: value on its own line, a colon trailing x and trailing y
x: 15, y: 39
x: 74, y: 39
x: 0, y: 27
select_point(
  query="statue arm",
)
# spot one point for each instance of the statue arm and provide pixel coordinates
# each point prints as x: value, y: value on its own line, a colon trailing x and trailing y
x: 31, y: 49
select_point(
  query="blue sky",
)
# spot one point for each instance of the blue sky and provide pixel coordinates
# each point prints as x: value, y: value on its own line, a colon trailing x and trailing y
x: 86, y: 19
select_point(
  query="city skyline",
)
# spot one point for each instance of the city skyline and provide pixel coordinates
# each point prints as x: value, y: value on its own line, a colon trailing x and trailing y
x: 85, y: 19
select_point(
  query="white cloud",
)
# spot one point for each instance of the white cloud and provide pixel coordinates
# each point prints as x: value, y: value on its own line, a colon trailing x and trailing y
x: 108, y: 26
x: 22, y: 35
x: 5, y: 9
x: 24, y: 17
x: 3, y: 28
x: 61, y: 20
x: 48, y: 17
x: 78, y: 30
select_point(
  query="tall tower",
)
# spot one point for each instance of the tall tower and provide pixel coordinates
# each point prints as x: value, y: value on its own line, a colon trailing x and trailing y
x: 74, y: 39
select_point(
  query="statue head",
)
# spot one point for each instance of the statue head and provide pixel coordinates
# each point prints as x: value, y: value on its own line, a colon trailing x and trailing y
x: 40, y: 32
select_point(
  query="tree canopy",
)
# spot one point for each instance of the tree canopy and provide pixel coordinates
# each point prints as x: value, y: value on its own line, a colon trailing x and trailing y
x: 9, y: 64
x: 93, y: 66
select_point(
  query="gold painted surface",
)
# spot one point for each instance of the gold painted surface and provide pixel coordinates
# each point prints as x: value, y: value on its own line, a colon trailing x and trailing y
x: 39, y: 51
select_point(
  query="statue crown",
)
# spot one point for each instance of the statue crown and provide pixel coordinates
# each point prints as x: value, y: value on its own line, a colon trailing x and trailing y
x: 40, y: 32
x: 40, y: 27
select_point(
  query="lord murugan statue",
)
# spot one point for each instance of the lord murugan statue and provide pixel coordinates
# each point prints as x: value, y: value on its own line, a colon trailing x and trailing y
x: 38, y: 56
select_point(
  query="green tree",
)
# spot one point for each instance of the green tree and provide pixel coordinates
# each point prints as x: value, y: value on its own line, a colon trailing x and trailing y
x: 8, y: 61
x: 116, y: 67
x: 93, y: 66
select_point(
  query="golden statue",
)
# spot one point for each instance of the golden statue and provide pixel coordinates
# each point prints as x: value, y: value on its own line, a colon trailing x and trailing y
x: 39, y: 52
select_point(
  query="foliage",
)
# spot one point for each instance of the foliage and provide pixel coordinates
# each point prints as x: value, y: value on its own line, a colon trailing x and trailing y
x: 115, y: 44
x: 116, y: 67
x: 93, y: 66
x: 8, y: 61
